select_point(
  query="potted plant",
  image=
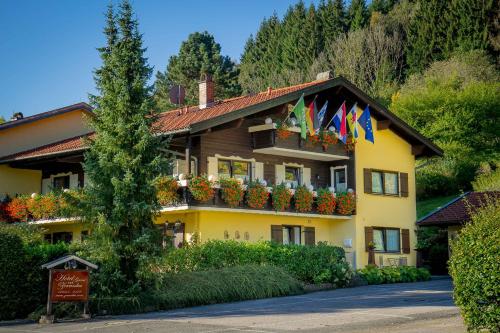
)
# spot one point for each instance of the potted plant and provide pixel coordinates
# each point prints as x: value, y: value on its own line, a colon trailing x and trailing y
x: 371, y: 253
x: 325, y: 202
x: 231, y: 191
x: 350, y: 144
x: 43, y: 206
x: 328, y: 138
x: 303, y: 199
x: 257, y: 195
x: 201, y: 188
x: 346, y: 203
x: 281, y: 196
x: 17, y: 209
x: 167, y: 191
x: 282, y: 131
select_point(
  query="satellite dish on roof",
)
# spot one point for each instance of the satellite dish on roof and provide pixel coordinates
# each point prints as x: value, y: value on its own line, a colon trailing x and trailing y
x: 177, y: 94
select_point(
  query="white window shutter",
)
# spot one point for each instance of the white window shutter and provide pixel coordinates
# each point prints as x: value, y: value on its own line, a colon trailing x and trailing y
x: 306, y: 176
x: 46, y: 185
x: 73, y: 181
x: 258, y: 171
x: 279, y: 173
x: 212, y: 169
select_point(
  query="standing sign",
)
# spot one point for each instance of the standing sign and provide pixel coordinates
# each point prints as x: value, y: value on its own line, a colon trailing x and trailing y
x: 68, y: 284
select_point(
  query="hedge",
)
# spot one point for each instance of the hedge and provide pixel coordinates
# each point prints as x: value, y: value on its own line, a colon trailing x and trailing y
x: 23, y: 284
x: 230, y: 284
x: 374, y: 275
x: 475, y: 269
x: 310, y: 264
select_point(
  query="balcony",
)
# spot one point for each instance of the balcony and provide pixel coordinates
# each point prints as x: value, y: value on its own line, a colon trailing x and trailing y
x: 267, y: 139
x: 184, y: 200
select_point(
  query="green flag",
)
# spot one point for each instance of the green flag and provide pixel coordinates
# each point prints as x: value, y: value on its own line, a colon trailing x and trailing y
x: 298, y: 110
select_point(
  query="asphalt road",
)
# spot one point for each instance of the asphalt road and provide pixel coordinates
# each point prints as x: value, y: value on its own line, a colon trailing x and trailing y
x: 411, y: 307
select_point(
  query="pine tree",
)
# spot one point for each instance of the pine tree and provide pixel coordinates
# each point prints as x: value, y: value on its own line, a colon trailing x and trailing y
x: 358, y: 14
x: 333, y: 20
x: 292, y: 39
x: 123, y: 160
x: 199, y: 54
x: 426, y: 35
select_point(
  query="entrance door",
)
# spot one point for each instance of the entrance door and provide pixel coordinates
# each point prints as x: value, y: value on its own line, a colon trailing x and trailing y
x: 339, y: 178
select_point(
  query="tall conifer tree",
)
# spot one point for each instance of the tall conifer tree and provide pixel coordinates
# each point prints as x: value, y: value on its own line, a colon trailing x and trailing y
x: 333, y: 20
x: 123, y: 160
x: 358, y: 14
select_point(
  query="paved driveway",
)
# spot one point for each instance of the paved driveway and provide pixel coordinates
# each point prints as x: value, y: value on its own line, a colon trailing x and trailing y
x: 412, y: 307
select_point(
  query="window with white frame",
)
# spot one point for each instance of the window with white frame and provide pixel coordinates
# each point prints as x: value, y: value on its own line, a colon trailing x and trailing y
x: 234, y: 169
x: 292, y: 176
x: 339, y: 178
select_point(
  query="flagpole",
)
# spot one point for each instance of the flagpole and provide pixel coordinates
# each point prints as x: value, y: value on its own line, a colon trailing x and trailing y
x: 289, y: 112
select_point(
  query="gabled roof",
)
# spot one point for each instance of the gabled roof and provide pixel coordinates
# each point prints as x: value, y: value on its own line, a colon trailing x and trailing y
x: 65, y: 259
x: 457, y: 211
x: 193, y: 119
x: 79, y: 106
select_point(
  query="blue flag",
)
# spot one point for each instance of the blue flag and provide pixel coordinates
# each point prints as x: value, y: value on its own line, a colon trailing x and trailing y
x: 321, y: 116
x: 365, y: 121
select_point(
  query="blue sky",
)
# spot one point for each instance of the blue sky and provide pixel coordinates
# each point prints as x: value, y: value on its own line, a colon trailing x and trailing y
x: 48, y: 48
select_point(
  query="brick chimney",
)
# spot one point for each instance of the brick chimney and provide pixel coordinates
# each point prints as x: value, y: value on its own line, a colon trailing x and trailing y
x: 206, y: 88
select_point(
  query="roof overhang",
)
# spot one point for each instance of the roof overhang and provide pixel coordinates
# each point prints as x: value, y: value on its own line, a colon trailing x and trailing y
x: 378, y: 111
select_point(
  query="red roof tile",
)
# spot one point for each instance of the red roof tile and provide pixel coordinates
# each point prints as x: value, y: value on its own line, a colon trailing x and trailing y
x: 68, y: 145
x: 457, y: 210
x: 179, y: 119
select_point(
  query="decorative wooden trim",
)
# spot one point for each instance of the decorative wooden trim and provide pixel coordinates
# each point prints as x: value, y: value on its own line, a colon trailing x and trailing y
x: 417, y: 149
x: 383, y: 124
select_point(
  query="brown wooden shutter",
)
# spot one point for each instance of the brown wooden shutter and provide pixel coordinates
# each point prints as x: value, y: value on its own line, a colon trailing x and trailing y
x: 367, y: 173
x: 368, y: 237
x: 403, y: 179
x: 309, y: 236
x: 277, y: 234
x: 405, y: 240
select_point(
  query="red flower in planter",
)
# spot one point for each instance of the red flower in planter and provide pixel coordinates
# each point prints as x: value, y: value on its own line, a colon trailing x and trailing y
x: 303, y: 199
x: 201, y: 188
x: 232, y: 193
x: 281, y: 196
x: 166, y: 191
x: 325, y: 202
x: 346, y: 203
x: 257, y: 195
x: 18, y: 209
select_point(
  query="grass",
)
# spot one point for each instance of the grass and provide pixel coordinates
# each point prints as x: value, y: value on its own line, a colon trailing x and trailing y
x: 424, y: 207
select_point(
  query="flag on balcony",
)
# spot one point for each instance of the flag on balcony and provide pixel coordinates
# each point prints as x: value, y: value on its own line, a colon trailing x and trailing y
x: 365, y: 121
x: 352, y: 120
x: 321, y: 116
x: 310, y: 117
x: 339, y: 121
x: 299, y: 111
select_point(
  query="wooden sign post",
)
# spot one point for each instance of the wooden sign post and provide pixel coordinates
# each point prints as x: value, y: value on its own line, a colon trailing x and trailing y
x: 68, y: 284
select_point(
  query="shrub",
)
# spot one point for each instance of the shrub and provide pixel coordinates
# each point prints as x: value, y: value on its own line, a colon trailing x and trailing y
x: 201, y: 188
x: 185, y: 289
x: 166, y: 191
x: 281, y: 196
x: 374, y: 275
x: 303, y: 199
x: 257, y: 195
x: 475, y: 268
x: 232, y: 193
x: 23, y: 284
x: 325, y: 201
x: 489, y: 181
x: 346, y: 203
x: 320, y: 263
x: 17, y: 209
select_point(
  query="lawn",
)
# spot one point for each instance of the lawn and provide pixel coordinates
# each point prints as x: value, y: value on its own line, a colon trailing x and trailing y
x: 424, y: 207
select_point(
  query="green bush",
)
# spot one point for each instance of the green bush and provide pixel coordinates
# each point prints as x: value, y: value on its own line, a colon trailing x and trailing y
x: 230, y: 284
x: 23, y: 284
x: 374, y: 275
x: 475, y: 268
x: 310, y: 264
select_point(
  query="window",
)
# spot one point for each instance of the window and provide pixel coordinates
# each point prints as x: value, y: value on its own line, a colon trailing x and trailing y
x: 340, y: 178
x: 234, y: 169
x: 386, y: 240
x: 384, y: 182
x: 61, y: 183
x: 291, y: 235
x: 292, y: 176
x: 65, y: 237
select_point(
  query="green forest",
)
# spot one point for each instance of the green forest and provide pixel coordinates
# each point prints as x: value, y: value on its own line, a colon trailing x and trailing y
x: 432, y: 62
